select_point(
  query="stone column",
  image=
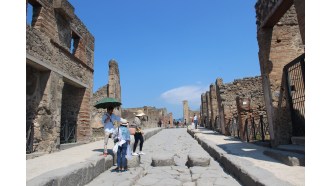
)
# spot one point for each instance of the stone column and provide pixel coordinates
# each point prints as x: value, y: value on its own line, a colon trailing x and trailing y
x: 203, y: 109
x: 214, y: 106
x: 219, y: 91
x: 114, y: 88
x: 208, y: 110
x: 243, y: 113
x: 185, y: 111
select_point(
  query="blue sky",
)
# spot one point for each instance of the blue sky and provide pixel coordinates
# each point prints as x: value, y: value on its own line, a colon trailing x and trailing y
x: 171, y: 50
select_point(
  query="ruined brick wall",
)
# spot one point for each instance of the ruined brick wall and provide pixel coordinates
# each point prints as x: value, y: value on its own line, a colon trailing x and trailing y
x: 43, y: 115
x: 249, y: 87
x: 48, y: 50
x: 151, y: 118
x: 278, y: 46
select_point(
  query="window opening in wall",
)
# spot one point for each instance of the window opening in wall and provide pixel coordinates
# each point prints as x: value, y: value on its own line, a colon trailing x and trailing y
x: 74, y: 42
x: 32, y: 12
x: 29, y: 14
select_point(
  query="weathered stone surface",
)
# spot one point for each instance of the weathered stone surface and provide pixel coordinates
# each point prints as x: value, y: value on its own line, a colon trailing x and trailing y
x: 59, y: 77
x: 162, y: 160
x: 195, y: 159
x: 189, y: 184
x: 148, y: 181
x: 281, y: 40
x: 134, y: 162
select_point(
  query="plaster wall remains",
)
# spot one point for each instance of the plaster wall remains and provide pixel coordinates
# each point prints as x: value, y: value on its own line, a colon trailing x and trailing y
x: 280, y: 35
x: 59, y: 59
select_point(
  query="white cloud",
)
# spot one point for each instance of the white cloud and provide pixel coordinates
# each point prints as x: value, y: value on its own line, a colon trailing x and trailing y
x: 190, y: 93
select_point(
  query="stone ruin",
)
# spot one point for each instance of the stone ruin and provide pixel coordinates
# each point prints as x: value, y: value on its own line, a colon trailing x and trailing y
x: 188, y: 114
x: 281, y: 39
x: 113, y: 89
x: 150, y: 120
x: 59, y: 77
x: 219, y: 105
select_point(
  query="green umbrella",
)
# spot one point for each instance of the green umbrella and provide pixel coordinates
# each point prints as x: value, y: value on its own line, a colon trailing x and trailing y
x: 107, y: 102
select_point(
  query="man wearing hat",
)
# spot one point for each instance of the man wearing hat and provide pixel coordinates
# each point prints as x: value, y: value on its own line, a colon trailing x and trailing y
x: 123, y: 136
x: 138, y: 136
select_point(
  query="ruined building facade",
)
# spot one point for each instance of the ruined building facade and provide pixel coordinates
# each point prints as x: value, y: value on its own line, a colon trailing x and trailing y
x: 221, y: 111
x: 59, y: 77
x: 281, y: 39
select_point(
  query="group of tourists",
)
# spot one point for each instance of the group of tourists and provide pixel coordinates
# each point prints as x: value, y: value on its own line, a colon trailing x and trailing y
x: 121, y: 136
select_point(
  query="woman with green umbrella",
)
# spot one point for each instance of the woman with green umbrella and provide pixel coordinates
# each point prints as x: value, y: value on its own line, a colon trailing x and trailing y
x: 108, y: 118
x: 107, y: 121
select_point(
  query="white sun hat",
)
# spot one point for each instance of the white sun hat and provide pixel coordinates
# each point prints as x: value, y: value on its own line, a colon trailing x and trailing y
x: 140, y: 113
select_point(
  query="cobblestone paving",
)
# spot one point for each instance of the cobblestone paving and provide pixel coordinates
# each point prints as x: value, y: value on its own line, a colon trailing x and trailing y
x: 178, y: 144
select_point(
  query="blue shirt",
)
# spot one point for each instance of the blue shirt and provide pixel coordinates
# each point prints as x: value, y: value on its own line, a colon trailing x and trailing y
x: 123, y: 133
x: 108, y: 127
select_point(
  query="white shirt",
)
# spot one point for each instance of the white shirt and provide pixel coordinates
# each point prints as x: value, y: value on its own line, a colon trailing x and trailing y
x: 108, y: 127
x: 195, y: 117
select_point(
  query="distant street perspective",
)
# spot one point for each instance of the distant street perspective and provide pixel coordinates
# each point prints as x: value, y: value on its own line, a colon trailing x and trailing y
x: 166, y: 163
x: 148, y: 120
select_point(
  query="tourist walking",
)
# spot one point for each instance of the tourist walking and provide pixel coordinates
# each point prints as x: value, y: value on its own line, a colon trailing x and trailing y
x: 195, y: 121
x: 107, y: 121
x: 160, y: 122
x: 122, y: 139
x: 138, y: 136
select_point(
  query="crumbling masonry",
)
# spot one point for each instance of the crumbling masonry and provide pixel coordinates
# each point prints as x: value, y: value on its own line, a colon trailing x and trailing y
x: 281, y: 39
x: 59, y: 77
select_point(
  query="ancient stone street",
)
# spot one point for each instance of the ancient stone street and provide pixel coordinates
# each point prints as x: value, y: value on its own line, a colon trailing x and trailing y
x: 170, y: 144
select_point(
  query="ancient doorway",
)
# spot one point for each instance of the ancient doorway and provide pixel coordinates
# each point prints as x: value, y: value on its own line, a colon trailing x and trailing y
x: 295, y: 73
x: 71, y: 101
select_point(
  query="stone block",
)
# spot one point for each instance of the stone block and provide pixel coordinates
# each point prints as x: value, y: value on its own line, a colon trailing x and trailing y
x: 99, y: 165
x: 163, y: 160
x: 195, y: 159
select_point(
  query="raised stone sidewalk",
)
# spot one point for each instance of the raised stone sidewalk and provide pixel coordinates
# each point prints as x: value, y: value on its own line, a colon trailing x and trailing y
x: 74, y: 166
x: 247, y: 162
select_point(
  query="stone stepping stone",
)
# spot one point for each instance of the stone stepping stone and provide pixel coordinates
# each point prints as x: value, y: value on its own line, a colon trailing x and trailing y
x: 159, y: 160
x: 195, y: 159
